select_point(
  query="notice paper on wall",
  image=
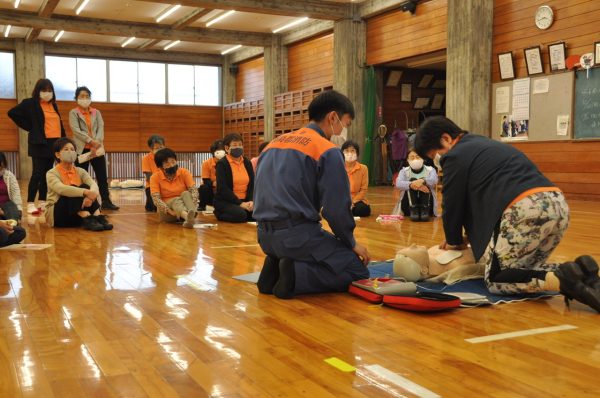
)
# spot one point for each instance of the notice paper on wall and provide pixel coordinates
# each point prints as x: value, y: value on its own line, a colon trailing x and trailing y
x: 541, y: 86
x: 502, y: 99
x: 562, y: 124
x: 520, y: 101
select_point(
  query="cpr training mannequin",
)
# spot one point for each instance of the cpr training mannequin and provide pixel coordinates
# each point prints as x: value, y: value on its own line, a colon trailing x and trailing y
x: 415, y: 263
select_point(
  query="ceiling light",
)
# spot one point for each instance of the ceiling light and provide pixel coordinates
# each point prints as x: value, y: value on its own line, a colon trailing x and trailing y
x: 167, y: 12
x: 220, y: 17
x: 7, y: 30
x: 291, y: 24
x: 81, y: 6
x: 58, y: 35
x: 171, y: 44
x: 17, y: 2
x: 127, y: 42
x: 231, y: 49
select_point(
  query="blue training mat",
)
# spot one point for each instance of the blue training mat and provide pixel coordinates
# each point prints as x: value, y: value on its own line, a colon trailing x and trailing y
x: 477, y: 286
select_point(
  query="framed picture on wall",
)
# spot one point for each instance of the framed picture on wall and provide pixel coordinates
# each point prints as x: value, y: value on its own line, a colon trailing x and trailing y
x: 421, y: 103
x: 438, y: 100
x: 425, y: 80
x: 507, y: 66
x: 533, y: 59
x: 406, y: 92
x: 556, y: 54
x: 597, y: 53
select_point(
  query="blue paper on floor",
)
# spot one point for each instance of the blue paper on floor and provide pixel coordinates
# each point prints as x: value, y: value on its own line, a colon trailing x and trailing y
x: 474, y: 286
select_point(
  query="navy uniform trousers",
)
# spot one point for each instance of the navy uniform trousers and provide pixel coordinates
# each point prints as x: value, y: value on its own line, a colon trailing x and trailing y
x: 322, y: 262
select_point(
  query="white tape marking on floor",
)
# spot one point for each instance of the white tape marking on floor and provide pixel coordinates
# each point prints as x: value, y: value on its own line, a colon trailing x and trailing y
x: 529, y: 332
x: 401, y: 382
x: 233, y: 247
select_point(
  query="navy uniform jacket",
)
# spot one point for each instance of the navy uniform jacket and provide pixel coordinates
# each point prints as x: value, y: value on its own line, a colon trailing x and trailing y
x: 298, y: 175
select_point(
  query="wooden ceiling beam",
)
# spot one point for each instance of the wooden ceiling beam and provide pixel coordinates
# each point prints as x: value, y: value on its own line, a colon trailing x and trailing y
x: 191, y: 18
x: 128, y: 29
x: 47, y: 8
x: 32, y: 35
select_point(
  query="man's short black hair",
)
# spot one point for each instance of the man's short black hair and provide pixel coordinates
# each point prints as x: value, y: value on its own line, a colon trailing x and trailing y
x: 216, y: 145
x: 351, y: 144
x: 155, y: 139
x: 262, y: 146
x: 429, y: 134
x: 162, y: 155
x: 328, y: 101
x: 229, y: 138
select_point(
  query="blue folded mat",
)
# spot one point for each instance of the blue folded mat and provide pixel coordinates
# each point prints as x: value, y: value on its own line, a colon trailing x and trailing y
x: 476, y: 286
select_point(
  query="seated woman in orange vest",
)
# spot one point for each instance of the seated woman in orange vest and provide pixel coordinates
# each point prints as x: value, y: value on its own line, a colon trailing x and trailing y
x: 173, y: 190
x: 209, y: 175
x: 358, y: 175
x: 155, y: 143
x: 235, y: 183
x: 72, y: 194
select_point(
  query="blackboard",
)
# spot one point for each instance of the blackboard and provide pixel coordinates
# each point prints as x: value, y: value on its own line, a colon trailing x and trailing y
x: 587, y: 104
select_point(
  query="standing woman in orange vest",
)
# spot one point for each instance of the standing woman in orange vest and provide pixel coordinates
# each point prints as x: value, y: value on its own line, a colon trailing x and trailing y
x: 39, y: 116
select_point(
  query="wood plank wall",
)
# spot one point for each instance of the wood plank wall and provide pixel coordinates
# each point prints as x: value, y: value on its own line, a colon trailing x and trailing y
x: 250, y: 82
x: 310, y: 63
x: 572, y: 165
x: 9, y: 134
x: 128, y: 126
x: 396, y: 35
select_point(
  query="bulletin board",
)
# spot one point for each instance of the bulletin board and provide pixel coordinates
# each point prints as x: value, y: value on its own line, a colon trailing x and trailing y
x: 544, y: 108
x: 587, y: 104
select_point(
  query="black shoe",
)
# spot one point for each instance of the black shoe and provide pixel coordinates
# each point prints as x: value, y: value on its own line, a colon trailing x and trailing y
x: 108, y: 205
x: 572, y: 287
x: 104, y: 222
x: 589, y: 267
x: 91, y: 224
x: 414, y: 213
x: 150, y: 208
x: 268, y: 275
x: 285, y: 285
x: 201, y: 208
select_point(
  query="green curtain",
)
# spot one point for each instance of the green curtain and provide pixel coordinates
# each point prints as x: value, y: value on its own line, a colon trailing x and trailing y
x: 370, y: 115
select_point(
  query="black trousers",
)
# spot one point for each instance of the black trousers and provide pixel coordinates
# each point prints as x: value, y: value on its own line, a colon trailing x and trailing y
x: 230, y: 212
x: 7, y: 239
x: 99, y: 166
x: 361, y: 209
x: 11, y: 211
x: 417, y: 198
x: 66, y: 209
x: 149, y: 202
x: 206, y: 195
x: 37, y: 183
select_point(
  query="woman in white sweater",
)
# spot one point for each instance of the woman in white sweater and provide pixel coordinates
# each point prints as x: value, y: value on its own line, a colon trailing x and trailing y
x: 11, y: 207
x: 72, y: 199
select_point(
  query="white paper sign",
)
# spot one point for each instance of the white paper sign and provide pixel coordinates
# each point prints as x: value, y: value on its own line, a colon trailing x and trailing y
x: 562, y: 124
x: 502, y: 99
x: 541, y: 86
x: 521, y: 99
x: 521, y: 86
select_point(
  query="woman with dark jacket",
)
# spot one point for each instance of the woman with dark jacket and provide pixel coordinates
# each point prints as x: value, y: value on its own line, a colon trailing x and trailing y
x: 39, y: 116
x: 513, y: 216
x: 235, y: 183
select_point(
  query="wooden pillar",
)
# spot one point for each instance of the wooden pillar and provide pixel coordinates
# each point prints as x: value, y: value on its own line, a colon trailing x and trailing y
x: 229, y: 74
x: 349, y: 58
x: 469, y: 70
x: 276, y: 81
x: 29, y: 66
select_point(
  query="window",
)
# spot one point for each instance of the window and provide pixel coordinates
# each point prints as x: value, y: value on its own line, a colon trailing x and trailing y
x: 62, y: 71
x: 7, y: 75
x: 92, y: 74
x: 151, y: 83
x: 181, y: 84
x: 207, y: 85
x: 123, y: 81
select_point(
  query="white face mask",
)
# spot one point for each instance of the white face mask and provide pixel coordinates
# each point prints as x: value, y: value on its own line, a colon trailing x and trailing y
x: 344, y: 132
x: 46, y: 95
x: 416, y: 164
x: 436, y: 160
x: 350, y: 157
x: 68, y: 156
x: 220, y: 154
x: 84, y: 103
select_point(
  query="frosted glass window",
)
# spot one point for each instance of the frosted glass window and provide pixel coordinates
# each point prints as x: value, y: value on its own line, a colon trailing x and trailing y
x: 123, y: 81
x: 92, y: 74
x: 7, y: 75
x: 207, y: 85
x: 181, y: 84
x: 62, y: 71
x: 152, y: 83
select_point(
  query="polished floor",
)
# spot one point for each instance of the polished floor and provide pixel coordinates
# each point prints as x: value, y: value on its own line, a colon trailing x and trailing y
x: 151, y: 310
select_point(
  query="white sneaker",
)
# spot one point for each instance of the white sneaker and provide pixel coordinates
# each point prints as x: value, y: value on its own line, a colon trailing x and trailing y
x: 42, y: 205
x: 31, y: 208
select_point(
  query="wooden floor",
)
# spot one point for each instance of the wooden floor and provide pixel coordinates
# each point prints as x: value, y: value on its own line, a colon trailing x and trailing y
x: 151, y: 310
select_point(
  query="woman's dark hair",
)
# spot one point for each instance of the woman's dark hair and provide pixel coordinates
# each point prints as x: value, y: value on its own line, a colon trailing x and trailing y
x: 40, y: 85
x: 218, y: 144
x: 80, y: 89
x: 429, y: 134
x: 155, y: 139
x: 351, y: 144
x: 3, y: 161
x: 163, y: 155
x: 61, y: 143
x: 229, y: 138
x: 263, y: 146
x: 328, y: 101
